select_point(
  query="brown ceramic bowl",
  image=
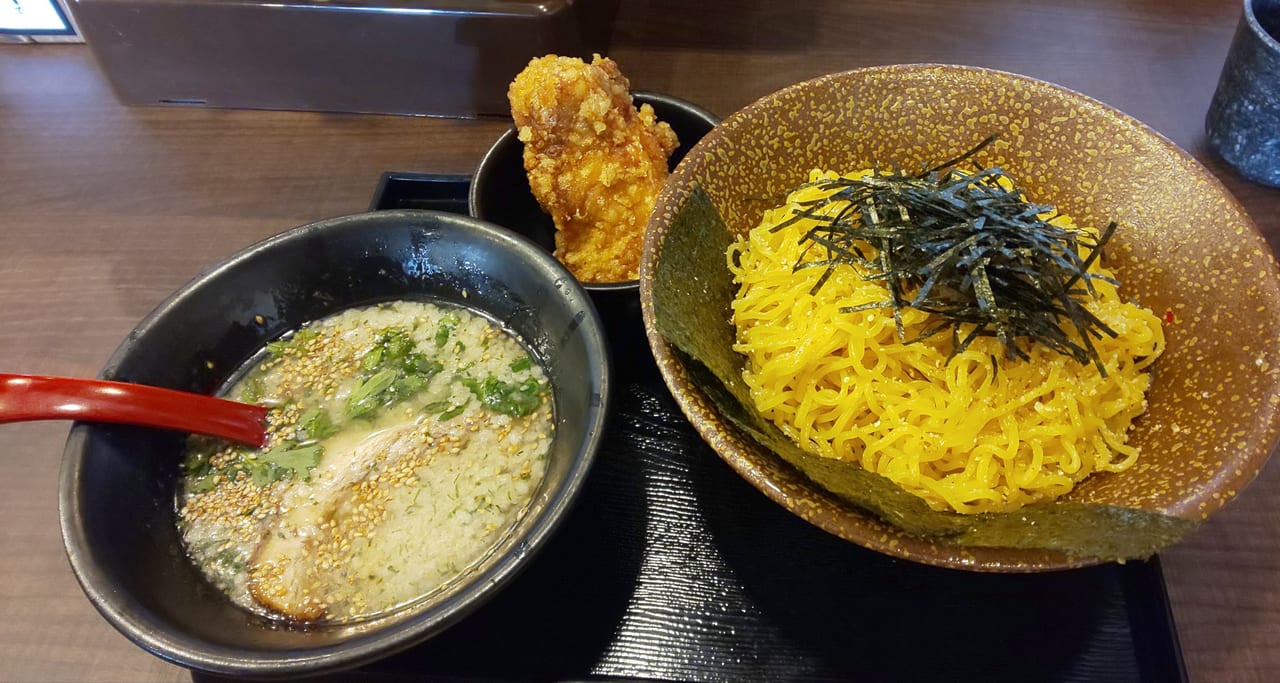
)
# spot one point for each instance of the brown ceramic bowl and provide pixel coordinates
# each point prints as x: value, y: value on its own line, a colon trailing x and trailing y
x: 1187, y: 248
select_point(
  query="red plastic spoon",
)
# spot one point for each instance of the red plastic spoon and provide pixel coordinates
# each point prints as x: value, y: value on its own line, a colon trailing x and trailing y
x: 34, y: 397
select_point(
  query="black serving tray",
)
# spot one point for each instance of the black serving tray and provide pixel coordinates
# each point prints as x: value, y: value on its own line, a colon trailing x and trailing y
x: 672, y: 567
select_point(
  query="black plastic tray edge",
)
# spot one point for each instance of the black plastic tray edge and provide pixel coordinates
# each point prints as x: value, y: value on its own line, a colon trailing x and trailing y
x: 1155, y: 634
x: 439, y: 191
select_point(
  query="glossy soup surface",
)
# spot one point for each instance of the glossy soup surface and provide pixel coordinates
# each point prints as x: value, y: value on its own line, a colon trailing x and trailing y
x: 406, y: 440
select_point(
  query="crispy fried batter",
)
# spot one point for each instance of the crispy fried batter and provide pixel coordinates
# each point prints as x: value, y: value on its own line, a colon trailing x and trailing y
x: 595, y: 163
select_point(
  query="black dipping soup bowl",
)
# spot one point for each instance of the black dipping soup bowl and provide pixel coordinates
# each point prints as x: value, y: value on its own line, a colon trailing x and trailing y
x: 500, y: 194
x: 117, y: 490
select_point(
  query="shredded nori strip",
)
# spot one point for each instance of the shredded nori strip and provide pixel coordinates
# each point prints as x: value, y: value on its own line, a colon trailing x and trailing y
x: 964, y: 247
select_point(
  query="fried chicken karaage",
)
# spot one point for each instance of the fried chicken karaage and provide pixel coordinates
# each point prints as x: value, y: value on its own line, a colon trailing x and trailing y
x: 595, y: 162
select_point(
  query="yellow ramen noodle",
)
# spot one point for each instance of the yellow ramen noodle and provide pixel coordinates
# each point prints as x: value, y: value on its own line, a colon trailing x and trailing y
x: 964, y: 435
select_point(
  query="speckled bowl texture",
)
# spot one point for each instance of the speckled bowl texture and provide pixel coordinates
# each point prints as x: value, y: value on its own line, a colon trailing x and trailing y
x: 1243, y: 123
x: 1186, y: 249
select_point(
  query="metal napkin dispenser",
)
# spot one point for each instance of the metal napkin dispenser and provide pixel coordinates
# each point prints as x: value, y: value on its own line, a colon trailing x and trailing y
x: 428, y: 57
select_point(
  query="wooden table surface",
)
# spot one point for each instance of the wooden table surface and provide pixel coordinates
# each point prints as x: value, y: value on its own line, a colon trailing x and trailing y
x: 105, y: 209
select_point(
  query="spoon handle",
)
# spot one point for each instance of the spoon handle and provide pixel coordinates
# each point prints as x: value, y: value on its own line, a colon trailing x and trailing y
x: 35, y: 397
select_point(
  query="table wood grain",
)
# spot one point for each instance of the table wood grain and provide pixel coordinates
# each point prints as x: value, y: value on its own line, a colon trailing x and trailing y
x: 105, y: 209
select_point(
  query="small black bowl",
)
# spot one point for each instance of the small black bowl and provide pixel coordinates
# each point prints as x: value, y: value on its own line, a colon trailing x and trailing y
x: 500, y: 194
x: 116, y: 497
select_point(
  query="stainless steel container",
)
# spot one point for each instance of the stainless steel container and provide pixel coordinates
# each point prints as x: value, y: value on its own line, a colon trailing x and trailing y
x: 426, y: 57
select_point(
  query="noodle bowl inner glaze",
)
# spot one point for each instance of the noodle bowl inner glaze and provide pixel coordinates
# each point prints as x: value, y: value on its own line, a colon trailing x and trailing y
x: 970, y: 433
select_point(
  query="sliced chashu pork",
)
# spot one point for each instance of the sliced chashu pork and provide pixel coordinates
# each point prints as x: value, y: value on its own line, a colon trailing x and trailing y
x: 284, y: 573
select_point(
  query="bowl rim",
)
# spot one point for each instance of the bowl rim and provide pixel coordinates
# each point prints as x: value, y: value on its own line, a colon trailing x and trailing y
x: 511, y: 135
x: 853, y: 524
x: 363, y: 646
x: 1249, y: 16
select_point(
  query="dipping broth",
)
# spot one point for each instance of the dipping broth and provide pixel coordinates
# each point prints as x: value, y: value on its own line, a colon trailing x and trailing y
x: 405, y: 442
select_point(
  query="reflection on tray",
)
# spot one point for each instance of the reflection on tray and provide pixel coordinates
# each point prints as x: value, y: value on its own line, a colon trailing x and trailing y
x: 672, y: 567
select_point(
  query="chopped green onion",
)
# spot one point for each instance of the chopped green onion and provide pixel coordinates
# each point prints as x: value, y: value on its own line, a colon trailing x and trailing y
x: 522, y: 364
x: 368, y: 395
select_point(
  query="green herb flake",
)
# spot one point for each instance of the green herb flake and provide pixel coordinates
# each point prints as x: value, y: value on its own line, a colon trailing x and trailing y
x: 196, y: 464
x: 315, y: 424
x: 282, y: 462
x: 523, y: 364
x: 253, y: 390
x: 264, y: 474
x: 278, y: 348
x: 396, y: 372
x: 405, y: 388
x: 296, y: 459
x: 517, y: 400
x: 372, y: 359
x: 454, y: 411
x: 418, y: 364
x: 368, y: 396
x: 390, y: 349
x: 297, y: 340
x: 447, y: 324
x: 203, y: 484
x: 395, y: 343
